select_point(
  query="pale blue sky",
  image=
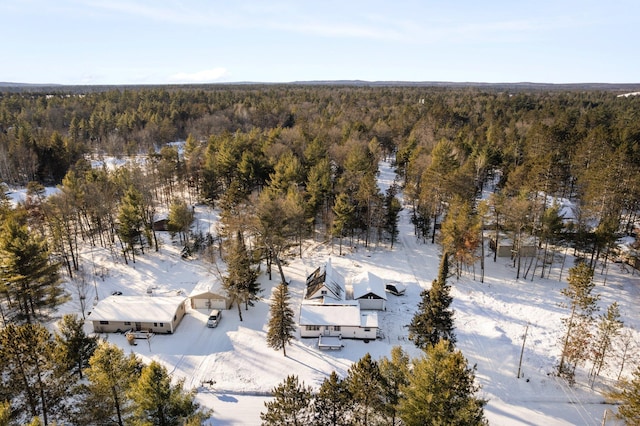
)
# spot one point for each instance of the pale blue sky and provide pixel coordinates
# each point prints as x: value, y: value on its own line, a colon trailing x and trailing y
x: 162, y: 41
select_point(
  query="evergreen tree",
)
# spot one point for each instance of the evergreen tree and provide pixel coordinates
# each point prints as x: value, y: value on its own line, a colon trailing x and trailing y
x: 158, y: 402
x: 333, y: 403
x: 281, y: 326
x: 180, y: 220
x: 582, y: 303
x: 629, y: 398
x: 392, y: 214
x: 344, y: 217
x: 551, y: 227
x: 5, y: 202
x: 609, y: 326
x: 277, y: 223
x: 441, y: 390
x: 366, y: 387
x: 130, y: 221
x: 434, y: 319
x: 318, y: 188
x: 292, y: 404
x: 73, y: 347
x: 461, y: 234
x: 395, y: 374
x: 31, y: 283
x: 110, y: 376
x: 240, y: 283
x: 5, y: 413
x: 29, y: 371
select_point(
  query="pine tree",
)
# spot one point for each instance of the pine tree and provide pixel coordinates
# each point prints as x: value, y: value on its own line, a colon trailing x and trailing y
x: 130, y: 221
x: 333, y: 403
x: 609, y: 326
x: 461, y: 234
x: 29, y: 371
x: 366, y: 386
x: 395, y: 374
x: 318, y: 188
x: 5, y: 413
x: 180, y: 220
x: 159, y: 402
x: 73, y: 347
x: 441, y: 390
x: 392, y: 212
x: 240, y: 283
x: 344, y: 217
x: 629, y: 398
x: 292, y: 404
x: 282, y: 326
x: 434, y: 319
x: 582, y: 304
x: 110, y: 375
x: 30, y: 280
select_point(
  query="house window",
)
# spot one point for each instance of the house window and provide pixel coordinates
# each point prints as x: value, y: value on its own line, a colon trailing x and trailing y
x: 367, y: 329
x: 127, y: 323
x: 161, y: 324
x: 104, y: 322
x: 336, y: 328
x: 155, y: 324
x: 323, y: 292
x: 313, y: 328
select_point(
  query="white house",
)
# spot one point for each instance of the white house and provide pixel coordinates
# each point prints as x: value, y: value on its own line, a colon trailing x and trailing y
x: 209, y: 295
x: 344, y: 320
x: 325, y: 283
x: 369, y: 291
x: 160, y: 314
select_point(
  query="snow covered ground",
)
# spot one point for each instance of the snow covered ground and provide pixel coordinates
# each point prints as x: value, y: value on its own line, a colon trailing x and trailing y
x: 233, y: 370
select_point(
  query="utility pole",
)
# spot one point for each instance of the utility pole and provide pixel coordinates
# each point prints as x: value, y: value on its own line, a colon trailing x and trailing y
x: 524, y: 340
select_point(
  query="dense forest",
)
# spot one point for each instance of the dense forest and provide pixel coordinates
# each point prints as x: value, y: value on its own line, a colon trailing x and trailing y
x: 286, y: 162
x: 325, y: 141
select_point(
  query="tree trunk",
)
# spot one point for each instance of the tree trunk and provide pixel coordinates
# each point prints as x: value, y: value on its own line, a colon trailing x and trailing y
x: 239, y: 308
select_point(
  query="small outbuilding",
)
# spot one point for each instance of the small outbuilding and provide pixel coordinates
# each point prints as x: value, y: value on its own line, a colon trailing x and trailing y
x: 505, y: 246
x: 209, y: 295
x: 369, y: 291
x: 396, y: 288
x: 346, y: 321
x: 160, y: 315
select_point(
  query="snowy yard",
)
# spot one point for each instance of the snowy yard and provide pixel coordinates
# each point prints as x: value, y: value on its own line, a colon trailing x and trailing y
x: 233, y: 369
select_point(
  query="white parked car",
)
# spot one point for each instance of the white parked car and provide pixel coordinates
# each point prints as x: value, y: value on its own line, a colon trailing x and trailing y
x: 214, y: 318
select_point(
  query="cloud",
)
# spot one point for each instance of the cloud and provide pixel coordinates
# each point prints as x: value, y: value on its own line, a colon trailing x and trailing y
x: 205, y: 76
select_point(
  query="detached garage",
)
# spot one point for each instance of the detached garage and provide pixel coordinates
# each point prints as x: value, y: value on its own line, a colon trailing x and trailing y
x: 159, y: 315
x: 369, y: 291
x: 209, y: 295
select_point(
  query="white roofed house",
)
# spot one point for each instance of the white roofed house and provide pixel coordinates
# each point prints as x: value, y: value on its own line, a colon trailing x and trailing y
x: 326, y: 312
x: 344, y: 320
x: 160, y: 314
x: 209, y: 295
x: 325, y: 283
x: 369, y: 291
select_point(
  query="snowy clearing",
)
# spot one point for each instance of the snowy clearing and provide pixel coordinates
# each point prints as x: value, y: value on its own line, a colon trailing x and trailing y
x: 233, y: 370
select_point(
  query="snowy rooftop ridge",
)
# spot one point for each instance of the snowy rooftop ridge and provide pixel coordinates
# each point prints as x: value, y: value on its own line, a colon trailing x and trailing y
x: 368, y: 282
x: 137, y: 308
